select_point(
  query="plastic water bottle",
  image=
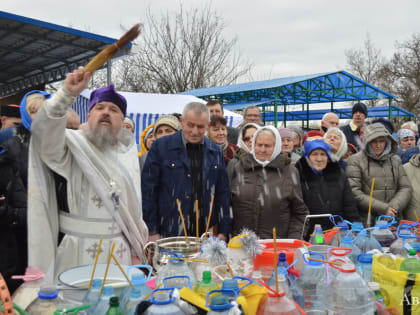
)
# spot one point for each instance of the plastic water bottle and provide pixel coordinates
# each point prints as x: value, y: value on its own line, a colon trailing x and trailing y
x: 374, y: 286
x: 103, y: 303
x: 313, y: 280
x: 364, y: 266
x: 279, y: 305
x: 206, y: 285
x: 92, y: 296
x: 163, y: 303
x: 382, y: 232
x: 317, y: 238
x: 348, y: 242
x: 176, y: 267
x: 114, y: 307
x: 282, y: 283
x: 232, y: 285
x: 47, y: 301
x: 349, y: 294
x: 338, y: 253
x: 365, y: 242
x: 139, y: 283
x: 220, y: 304
x: 131, y: 304
x: 404, y: 232
x: 411, y: 264
x: 356, y: 228
x: 282, y: 266
x: 343, y: 230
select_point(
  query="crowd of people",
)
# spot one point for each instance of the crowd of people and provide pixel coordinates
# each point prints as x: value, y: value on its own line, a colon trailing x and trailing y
x: 66, y: 185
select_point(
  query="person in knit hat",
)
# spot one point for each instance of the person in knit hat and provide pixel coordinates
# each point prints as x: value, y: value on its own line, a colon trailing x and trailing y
x: 359, y: 115
x: 9, y: 119
x: 324, y: 185
x: 165, y: 125
x: 311, y: 135
x: 337, y: 140
x: 287, y: 144
x: 129, y: 124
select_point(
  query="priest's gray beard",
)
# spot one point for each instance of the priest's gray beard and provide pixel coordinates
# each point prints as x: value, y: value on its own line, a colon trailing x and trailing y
x: 101, y: 137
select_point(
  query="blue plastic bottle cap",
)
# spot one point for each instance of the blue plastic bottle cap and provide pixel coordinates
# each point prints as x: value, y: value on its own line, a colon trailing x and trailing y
x: 412, y: 252
x: 108, y: 290
x: 343, y: 225
x: 138, y: 279
x: 96, y: 283
x: 47, y: 293
x: 221, y: 301
x: 230, y: 284
x: 282, y: 257
x: 365, y: 258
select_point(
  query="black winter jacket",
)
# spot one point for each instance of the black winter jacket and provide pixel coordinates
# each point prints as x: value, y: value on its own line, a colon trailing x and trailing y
x: 13, y: 210
x: 327, y: 193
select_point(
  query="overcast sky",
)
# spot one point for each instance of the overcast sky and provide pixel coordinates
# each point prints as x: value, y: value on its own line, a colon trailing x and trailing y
x: 280, y: 37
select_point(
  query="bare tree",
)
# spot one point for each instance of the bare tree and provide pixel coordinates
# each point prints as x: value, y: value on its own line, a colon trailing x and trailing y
x: 402, y: 73
x: 182, y: 51
x: 366, y: 63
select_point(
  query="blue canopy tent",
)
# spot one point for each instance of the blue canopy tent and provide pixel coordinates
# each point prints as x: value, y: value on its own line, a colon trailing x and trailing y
x: 329, y: 87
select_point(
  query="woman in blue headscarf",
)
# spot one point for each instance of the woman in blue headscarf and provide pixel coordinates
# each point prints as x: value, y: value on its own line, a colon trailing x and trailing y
x: 324, y: 184
x: 13, y: 191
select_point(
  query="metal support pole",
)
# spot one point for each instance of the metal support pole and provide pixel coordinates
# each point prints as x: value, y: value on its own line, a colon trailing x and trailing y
x: 390, y: 108
x: 284, y: 116
x: 275, y: 109
x: 307, y: 116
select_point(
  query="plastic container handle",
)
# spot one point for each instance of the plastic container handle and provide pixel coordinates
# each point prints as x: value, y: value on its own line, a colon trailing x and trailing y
x: 312, y: 253
x: 245, y: 279
x: 224, y: 291
x: 171, y: 299
x: 342, y: 264
x: 339, y: 251
x: 150, y: 268
x: 332, y: 218
x: 382, y: 217
x: 177, y: 277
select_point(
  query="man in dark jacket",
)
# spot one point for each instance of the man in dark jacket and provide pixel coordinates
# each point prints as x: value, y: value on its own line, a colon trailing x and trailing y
x: 359, y: 114
x: 187, y: 167
x: 216, y: 108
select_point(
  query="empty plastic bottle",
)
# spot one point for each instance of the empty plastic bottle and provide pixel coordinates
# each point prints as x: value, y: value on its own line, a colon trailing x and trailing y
x: 349, y: 294
x: 317, y: 238
x: 313, y: 279
x: 411, y: 264
x: 282, y: 266
x: 92, y: 296
x: 374, y: 286
x: 232, y: 284
x: 163, y: 303
x: 114, y: 307
x: 206, y: 285
x: 103, y: 303
x: 364, y: 265
x: 135, y: 298
x: 365, y: 242
x: 338, y: 253
x: 139, y: 283
x: 343, y: 230
x: 176, y: 267
x: 348, y: 242
x: 220, y: 304
x: 47, y: 301
x: 382, y: 233
x: 404, y: 232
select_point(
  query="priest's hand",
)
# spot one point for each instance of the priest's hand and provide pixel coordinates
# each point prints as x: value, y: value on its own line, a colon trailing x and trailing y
x: 77, y: 81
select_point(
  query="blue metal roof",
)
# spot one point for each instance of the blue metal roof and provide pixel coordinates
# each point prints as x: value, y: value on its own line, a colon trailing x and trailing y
x: 343, y: 113
x: 337, y: 86
x: 34, y: 52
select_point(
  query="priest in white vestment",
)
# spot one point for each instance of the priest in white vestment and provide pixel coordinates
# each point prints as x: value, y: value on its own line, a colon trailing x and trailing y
x: 101, y: 170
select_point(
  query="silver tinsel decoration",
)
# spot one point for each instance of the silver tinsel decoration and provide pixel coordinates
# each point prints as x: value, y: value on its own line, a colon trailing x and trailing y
x: 215, y: 251
x: 250, y: 243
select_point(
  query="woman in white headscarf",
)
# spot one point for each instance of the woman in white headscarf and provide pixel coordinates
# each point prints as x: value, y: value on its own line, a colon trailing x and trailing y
x: 265, y: 190
x: 338, y: 143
